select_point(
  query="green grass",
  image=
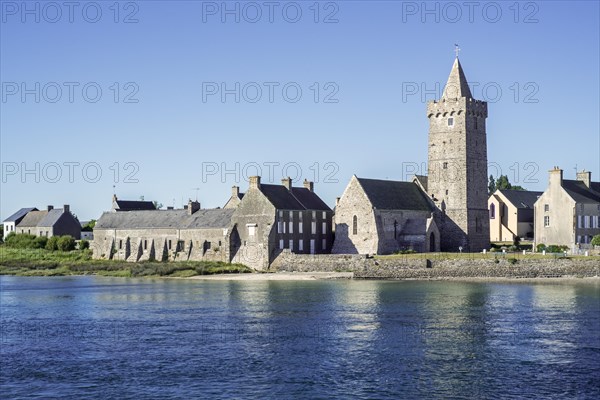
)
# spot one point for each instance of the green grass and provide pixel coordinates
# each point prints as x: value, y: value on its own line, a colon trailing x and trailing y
x: 41, y: 262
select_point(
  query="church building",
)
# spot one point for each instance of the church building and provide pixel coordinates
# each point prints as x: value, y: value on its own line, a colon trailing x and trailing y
x: 445, y: 210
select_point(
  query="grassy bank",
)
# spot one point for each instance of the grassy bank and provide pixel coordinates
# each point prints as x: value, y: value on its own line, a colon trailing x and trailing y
x: 41, y: 262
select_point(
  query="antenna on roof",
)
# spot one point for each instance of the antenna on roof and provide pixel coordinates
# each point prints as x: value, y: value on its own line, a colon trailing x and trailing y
x: 114, y: 190
x: 196, y: 189
x: 576, y: 170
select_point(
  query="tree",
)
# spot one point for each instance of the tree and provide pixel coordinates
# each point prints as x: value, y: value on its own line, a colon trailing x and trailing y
x: 66, y: 243
x: 491, y: 185
x: 502, y: 183
x: 157, y: 205
x: 596, y: 240
x: 89, y: 226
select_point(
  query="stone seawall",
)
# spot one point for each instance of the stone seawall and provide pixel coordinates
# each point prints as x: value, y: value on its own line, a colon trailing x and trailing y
x: 423, y: 268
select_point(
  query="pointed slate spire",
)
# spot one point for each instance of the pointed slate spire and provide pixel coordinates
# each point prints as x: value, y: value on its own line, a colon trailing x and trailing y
x: 456, y: 86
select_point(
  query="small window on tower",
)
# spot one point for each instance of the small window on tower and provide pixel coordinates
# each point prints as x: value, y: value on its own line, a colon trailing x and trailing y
x: 445, y: 165
x: 451, y: 121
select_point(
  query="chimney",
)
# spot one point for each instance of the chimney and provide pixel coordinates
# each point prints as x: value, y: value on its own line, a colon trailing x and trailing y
x: 255, y: 182
x: 235, y: 191
x: 66, y: 209
x: 556, y: 177
x: 50, y: 208
x: 309, y: 185
x: 585, y: 177
x: 287, y: 182
x: 193, y: 206
x: 337, y: 201
x: 114, y: 198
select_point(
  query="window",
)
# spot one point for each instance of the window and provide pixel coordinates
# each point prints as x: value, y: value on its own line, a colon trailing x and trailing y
x: 279, y: 227
x: 324, y: 228
x: 291, y: 227
x: 313, y: 227
x: 312, y: 246
x: 120, y: 244
x: 169, y: 244
x: 145, y: 244
x: 546, y: 207
x: 354, y: 225
x: 446, y: 192
x: 445, y: 165
x: 324, y: 215
x: 595, y: 221
x: 451, y: 121
x: 219, y: 243
x: 547, y: 220
x: 300, y: 245
x: 314, y: 215
x: 280, y: 214
x: 586, y: 221
x: 324, y: 244
x: 281, y: 244
x: 492, y: 211
x: 252, y: 229
x: 300, y: 229
x: 579, y: 221
x: 291, y: 245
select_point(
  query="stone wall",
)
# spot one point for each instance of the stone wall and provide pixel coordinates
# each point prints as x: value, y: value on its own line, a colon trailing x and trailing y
x: 424, y: 268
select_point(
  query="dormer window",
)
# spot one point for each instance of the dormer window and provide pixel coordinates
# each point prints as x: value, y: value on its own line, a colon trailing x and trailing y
x: 451, y: 121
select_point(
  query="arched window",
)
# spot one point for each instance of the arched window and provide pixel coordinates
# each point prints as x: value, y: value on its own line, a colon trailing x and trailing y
x: 492, y: 211
x: 354, y: 225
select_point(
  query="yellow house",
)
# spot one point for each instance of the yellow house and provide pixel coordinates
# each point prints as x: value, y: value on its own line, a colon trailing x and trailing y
x: 511, y: 214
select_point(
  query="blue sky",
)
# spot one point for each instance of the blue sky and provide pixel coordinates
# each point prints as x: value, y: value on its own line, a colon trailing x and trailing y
x: 160, y: 128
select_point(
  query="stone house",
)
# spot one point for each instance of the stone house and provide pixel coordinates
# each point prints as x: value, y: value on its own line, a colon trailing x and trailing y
x: 568, y: 211
x: 50, y: 222
x: 511, y: 214
x: 272, y: 218
x: 10, y: 223
x: 381, y: 217
x: 191, y: 233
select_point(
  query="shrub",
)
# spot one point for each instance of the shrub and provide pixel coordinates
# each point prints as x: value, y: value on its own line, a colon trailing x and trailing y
x: 596, y: 240
x: 513, y: 248
x: 540, y: 247
x: 52, y: 243
x: 66, y: 243
x: 553, y: 248
x: 24, y: 241
x: 40, y: 242
x: 84, y: 244
x: 512, y: 261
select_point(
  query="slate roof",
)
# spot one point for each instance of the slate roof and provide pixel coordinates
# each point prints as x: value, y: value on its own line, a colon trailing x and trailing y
x: 422, y: 180
x: 521, y: 198
x: 394, y: 195
x: 20, y: 214
x: 179, y: 219
x: 32, y: 218
x: 299, y: 198
x: 133, y: 205
x: 581, y: 193
x: 51, y: 217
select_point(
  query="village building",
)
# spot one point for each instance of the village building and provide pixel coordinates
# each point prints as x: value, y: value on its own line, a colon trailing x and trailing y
x: 235, y: 199
x: 382, y: 217
x: 272, y: 218
x: 10, y: 223
x: 568, y: 211
x: 267, y: 220
x: 511, y: 214
x: 189, y: 234
x: 50, y: 222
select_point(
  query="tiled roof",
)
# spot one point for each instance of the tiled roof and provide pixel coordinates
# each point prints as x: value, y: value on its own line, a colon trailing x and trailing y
x: 394, y: 195
x: 309, y: 199
x: 51, y: 217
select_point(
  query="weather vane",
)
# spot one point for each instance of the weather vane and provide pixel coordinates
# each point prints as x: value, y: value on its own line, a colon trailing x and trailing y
x: 456, y: 49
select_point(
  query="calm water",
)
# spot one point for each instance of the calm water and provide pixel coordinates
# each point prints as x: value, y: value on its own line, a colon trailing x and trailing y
x: 93, y: 337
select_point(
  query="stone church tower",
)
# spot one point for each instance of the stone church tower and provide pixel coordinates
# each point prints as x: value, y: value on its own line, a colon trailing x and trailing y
x: 457, y: 165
